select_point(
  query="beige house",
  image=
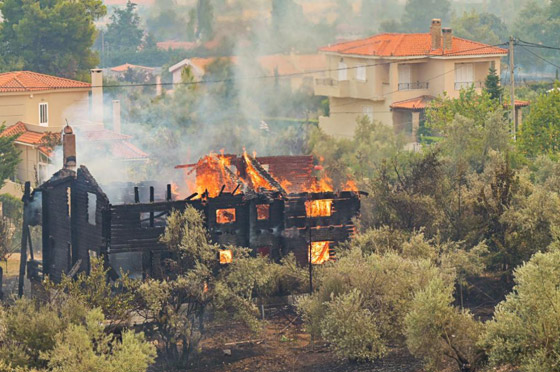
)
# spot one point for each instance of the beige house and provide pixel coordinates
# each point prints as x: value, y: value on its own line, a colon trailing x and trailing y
x: 33, y: 105
x: 392, y: 77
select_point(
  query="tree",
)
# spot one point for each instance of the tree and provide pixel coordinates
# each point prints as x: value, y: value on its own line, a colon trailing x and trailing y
x: 124, y: 32
x: 65, y: 335
x: 205, y: 20
x: 51, y: 37
x: 483, y: 27
x: 9, y: 157
x: 175, y: 307
x: 524, y: 331
x: 441, y: 334
x: 419, y: 13
x: 492, y: 85
x: 540, y: 132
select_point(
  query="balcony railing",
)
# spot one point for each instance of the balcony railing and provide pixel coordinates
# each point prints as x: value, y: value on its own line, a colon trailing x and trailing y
x: 416, y: 85
x: 326, y: 81
x: 467, y: 84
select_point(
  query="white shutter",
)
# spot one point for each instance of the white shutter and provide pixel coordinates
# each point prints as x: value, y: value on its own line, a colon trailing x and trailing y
x: 342, y: 71
x: 361, y: 73
x: 404, y: 77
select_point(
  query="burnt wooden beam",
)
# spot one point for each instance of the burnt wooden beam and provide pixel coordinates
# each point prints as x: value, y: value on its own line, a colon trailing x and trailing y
x: 24, y: 239
x: 168, y: 196
x: 264, y: 174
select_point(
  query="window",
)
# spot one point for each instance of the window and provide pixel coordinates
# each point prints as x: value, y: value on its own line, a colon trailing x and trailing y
x: 91, y: 208
x: 320, y: 252
x: 225, y: 215
x: 263, y: 212
x: 44, y: 114
x: 226, y: 256
x: 342, y: 71
x: 404, y: 77
x: 464, y: 75
x: 69, y: 202
x: 361, y: 73
x: 368, y: 111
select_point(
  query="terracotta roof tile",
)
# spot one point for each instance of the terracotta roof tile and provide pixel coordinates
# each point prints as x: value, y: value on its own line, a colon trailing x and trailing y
x: 417, y: 103
x: 24, y: 135
x: 26, y: 81
x: 127, y: 151
x: 126, y: 66
x: 104, y: 135
x: 404, y: 45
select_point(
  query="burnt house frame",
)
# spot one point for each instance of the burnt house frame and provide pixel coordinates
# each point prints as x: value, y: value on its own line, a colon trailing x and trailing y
x: 272, y: 223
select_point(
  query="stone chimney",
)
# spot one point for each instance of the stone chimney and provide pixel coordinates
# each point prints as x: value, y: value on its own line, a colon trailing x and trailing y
x: 69, y: 148
x: 447, y: 38
x: 117, y: 116
x: 158, y: 85
x: 97, y: 95
x: 435, y: 32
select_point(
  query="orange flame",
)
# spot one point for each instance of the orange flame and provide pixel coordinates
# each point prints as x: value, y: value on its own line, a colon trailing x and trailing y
x: 211, y: 175
x: 257, y: 181
x: 319, y: 208
x: 225, y: 215
x: 351, y: 186
x: 226, y: 256
x: 319, y: 252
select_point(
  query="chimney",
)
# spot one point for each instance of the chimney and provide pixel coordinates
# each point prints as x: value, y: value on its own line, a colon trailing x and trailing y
x: 158, y: 85
x: 447, y: 38
x: 69, y: 148
x: 117, y: 116
x: 97, y: 95
x: 435, y: 32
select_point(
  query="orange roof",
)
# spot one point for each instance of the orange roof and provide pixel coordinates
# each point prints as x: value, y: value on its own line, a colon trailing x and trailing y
x: 404, y: 45
x: 417, y: 103
x: 518, y: 103
x: 26, y: 81
x: 126, y: 66
x: 26, y: 136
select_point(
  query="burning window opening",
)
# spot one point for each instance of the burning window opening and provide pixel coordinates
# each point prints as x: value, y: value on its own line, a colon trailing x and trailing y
x: 263, y: 212
x: 320, y: 252
x: 319, y: 208
x: 224, y: 216
x: 226, y: 256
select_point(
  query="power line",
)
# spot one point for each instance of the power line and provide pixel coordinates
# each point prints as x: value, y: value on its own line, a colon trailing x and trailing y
x: 275, y: 76
x: 540, y: 57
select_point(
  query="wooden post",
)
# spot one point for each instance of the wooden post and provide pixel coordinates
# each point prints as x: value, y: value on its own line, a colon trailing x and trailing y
x: 24, y: 239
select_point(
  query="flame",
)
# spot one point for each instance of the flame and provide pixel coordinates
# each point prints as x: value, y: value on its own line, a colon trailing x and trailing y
x: 174, y: 189
x: 225, y: 215
x: 351, y: 186
x: 211, y: 175
x: 319, y: 252
x: 319, y: 208
x: 286, y: 185
x: 257, y: 181
x: 263, y: 211
x: 226, y: 256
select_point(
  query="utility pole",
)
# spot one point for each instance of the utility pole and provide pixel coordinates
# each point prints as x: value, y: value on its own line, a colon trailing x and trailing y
x: 512, y: 86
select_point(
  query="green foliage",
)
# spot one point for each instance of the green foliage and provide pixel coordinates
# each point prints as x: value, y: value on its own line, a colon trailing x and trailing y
x: 525, y: 331
x: 440, y: 333
x: 482, y: 27
x: 124, y: 32
x: 418, y: 14
x: 377, y: 288
x: 115, y: 299
x: 52, y: 37
x: 443, y: 110
x: 352, y: 328
x: 492, y: 84
x: 194, y: 282
x: 9, y: 157
x: 205, y: 20
x: 541, y: 127
x: 64, y: 335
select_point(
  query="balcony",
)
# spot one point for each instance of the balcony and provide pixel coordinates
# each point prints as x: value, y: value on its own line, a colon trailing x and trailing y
x: 467, y: 84
x: 346, y: 89
x: 411, y: 86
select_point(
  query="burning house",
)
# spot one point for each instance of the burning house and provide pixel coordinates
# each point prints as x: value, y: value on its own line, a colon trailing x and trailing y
x: 272, y: 205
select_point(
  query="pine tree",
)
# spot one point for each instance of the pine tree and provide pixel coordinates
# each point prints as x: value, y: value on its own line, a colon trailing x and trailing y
x: 492, y: 84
